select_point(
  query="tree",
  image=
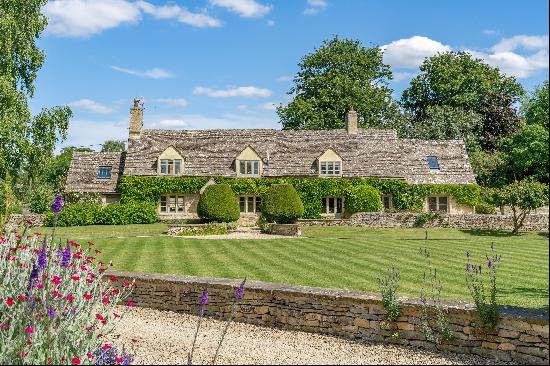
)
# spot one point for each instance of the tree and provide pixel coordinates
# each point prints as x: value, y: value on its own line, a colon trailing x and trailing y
x: 526, y: 154
x: 113, y: 146
x: 499, y: 119
x: 488, y: 167
x: 58, y: 167
x: 534, y: 108
x: 457, y: 80
x: 522, y: 197
x: 338, y: 76
x: 444, y: 123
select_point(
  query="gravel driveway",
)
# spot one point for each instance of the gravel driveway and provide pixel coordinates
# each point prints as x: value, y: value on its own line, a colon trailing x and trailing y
x: 164, y: 337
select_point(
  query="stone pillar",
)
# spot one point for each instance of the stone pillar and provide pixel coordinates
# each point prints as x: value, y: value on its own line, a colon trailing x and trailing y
x: 136, y: 120
x: 351, y: 122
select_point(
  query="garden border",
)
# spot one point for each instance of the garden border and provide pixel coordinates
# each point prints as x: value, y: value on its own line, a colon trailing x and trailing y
x: 521, y: 335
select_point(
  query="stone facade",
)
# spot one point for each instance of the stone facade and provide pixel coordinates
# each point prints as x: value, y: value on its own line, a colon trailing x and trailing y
x: 286, y: 229
x: 521, y: 335
x: 534, y: 222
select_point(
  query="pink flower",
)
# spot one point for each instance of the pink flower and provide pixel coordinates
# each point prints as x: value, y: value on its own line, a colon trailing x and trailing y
x: 39, y: 285
x: 10, y: 302
x: 29, y: 330
x: 99, y: 316
x: 87, y: 296
x: 56, y: 280
x: 70, y: 298
x: 106, y: 346
x: 118, y: 359
x: 75, y: 278
x: 106, y: 300
x: 131, y: 304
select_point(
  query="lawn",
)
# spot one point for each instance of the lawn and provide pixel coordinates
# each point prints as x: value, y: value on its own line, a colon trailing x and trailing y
x: 338, y: 257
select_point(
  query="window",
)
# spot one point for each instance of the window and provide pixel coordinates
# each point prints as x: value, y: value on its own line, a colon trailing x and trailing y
x: 433, y: 163
x: 250, y: 204
x: 172, y: 203
x: 249, y: 167
x: 170, y: 167
x: 387, y: 202
x: 438, y: 203
x: 330, y: 168
x: 104, y: 172
x: 333, y: 205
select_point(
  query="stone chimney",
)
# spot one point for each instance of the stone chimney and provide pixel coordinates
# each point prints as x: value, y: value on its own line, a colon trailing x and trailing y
x: 351, y: 122
x: 136, y: 120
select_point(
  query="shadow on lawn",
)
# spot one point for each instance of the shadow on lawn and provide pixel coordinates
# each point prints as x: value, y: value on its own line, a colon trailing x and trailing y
x: 495, y: 233
x: 527, y: 292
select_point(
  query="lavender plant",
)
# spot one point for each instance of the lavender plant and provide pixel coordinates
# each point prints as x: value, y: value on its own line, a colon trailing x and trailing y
x: 239, y: 294
x: 431, y: 290
x: 475, y: 282
x: 388, y: 288
x: 202, y: 306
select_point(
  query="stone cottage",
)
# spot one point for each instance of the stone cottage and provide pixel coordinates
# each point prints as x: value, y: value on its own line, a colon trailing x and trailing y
x: 331, y: 154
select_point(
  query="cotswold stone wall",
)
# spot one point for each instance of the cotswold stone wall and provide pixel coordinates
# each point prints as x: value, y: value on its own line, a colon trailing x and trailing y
x: 286, y: 229
x: 535, y: 222
x: 521, y: 335
x: 18, y: 220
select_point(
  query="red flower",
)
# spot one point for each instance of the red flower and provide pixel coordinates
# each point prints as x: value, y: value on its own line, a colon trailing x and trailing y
x: 44, y: 277
x: 101, y: 264
x: 57, y: 294
x: 39, y: 285
x: 10, y: 302
x: 125, y: 283
x: 106, y: 346
x: 104, y: 322
x: 56, y: 280
x: 76, y: 361
x: 70, y: 298
x: 118, y: 359
x: 29, y: 330
x: 75, y: 278
x: 89, y: 355
x: 113, y: 279
x: 106, y: 300
x: 131, y: 304
x: 22, y: 297
x: 97, y: 251
x: 74, y: 244
x: 87, y: 296
x: 89, y: 280
x: 83, y: 268
x: 99, y: 316
x: 4, y: 326
x: 116, y: 315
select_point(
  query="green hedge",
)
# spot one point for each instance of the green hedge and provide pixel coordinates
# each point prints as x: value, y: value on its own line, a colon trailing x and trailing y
x: 363, y: 199
x: 218, y: 204
x: 116, y: 214
x: 406, y: 197
x: 282, y: 204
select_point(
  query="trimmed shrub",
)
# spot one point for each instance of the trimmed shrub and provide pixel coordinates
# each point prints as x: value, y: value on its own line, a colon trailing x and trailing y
x: 211, y: 228
x: 219, y: 204
x: 116, y: 214
x: 75, y: 215
x: 363, y: 198
x: 282, y: 204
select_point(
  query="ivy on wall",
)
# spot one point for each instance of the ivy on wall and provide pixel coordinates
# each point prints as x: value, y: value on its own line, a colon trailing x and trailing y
x: 406, y: 197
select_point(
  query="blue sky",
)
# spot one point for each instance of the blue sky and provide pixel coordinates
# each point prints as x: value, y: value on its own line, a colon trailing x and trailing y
x: 225, y: 63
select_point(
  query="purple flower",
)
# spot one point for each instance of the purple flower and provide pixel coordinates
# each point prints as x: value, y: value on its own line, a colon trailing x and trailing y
x: 66, y: 258
x: 204, y: 300
x: 50, y: 311
x: 56, y: 207
x: 239, y: 293
x: 490, y: 264
x: 33, y: 277
x: 42, y: 259
x: 467, y: 267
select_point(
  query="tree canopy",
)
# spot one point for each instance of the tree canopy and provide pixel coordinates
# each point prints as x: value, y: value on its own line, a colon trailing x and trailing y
x: 113, y: 146
x: 340, y: 75
x: 535, y: 106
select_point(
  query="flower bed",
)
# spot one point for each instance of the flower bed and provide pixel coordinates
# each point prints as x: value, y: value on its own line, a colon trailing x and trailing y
x: 213, y: 228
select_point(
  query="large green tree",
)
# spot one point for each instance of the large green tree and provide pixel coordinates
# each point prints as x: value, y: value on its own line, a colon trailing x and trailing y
x: 340, y: 75
x: 26, y: 142
x: 458, y: 80
x: 113, y: 146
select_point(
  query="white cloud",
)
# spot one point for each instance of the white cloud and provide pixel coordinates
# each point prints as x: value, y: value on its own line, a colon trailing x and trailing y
x: 489, y: 32
x: 176, y: 102
x: 284, y: 78
x: 400, y: 76
x: 241, y: 91
x: 315, y: 6
x: 92, y: 133
x: 514, y: 64
x: 269, y: 106
x: 172, y: 123
x: 91, y: 106
x: 154, y: 73
x: 84, y: 18
x: 521, y: 41
x: 179, y: 13
x: 245, y: 8
x: 411, y: 52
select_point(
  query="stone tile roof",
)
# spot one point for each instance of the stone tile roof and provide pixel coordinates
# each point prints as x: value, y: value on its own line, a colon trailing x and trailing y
x: 370, y: 153
x: 82, y: 176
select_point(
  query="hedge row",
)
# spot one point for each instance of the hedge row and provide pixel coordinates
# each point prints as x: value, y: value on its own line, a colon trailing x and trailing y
x: 406, y: 197
x: 116, y: 214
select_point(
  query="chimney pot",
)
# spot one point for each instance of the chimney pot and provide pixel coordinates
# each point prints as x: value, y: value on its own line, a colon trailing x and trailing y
x: 351, y: 122
x: 136, y: 120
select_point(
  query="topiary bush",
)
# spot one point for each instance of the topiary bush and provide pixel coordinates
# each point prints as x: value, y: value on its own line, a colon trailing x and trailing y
x: 282, y: 204
x: 363, y: 198
x: 219, y: 204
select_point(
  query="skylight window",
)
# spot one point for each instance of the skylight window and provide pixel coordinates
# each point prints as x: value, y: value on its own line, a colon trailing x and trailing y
x: 433, y: 163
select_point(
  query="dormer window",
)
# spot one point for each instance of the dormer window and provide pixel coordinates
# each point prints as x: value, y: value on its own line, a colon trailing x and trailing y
x: 433, y: 164
x: 330, y: 164
x: 104, y: 172
x: 248, y: 163
x: 170, y: 162
x: 170, y: 167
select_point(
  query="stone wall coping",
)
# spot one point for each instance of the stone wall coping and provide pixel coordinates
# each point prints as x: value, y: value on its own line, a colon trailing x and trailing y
x: 538, y: 316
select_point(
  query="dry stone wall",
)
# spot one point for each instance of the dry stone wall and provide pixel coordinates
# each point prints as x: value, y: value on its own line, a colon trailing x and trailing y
x: 521, y: 335
x: 18, y: 220
x: 535, y: 222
